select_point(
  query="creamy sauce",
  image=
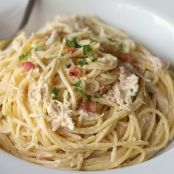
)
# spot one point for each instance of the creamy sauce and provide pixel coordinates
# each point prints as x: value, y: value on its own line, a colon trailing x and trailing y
x: 87, y: 115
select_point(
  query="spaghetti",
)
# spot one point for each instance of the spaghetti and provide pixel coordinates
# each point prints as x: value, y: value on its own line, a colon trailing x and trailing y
x: 81, y: 95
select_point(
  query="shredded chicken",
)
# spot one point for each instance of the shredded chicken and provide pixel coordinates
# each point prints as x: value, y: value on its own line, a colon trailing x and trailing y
x: 87, y: 115
x: 52, y: 38
x: 122, y: 91
x: 157, y: 63
x: 59, y: 115
x: 128, y: 83
x: 128, y: 45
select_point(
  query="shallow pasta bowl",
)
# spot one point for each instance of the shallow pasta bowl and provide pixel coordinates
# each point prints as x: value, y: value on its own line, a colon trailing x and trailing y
x: 148, y: 22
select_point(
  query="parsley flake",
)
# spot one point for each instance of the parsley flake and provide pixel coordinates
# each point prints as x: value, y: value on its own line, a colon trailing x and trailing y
x: 111, y: 39
x: 79, y: 89
x: 84, y: 97
x: 23, y: 56
x: 72, y: 43
x: 82, y: 62
x: 93, y: 58
x: 39, y: 48
x: 69, y: 63
x: 55, y: 91
x: 77, y: 86
x: 87, y: 49
x: 120, y: 48
x: 97, y: 95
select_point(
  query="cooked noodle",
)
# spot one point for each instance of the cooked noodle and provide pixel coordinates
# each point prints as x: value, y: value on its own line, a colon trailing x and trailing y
x: 81, y: 95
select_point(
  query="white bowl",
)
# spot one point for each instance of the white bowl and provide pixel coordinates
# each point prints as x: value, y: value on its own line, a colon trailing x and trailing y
x: 148, y: 22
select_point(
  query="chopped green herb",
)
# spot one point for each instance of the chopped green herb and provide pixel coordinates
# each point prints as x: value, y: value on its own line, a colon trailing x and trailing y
x: 93, y: 58
x: 79, y: 88
x: 68, y: 63
x: 24, y: 56
x: 85, y: 98
x: 120, y: 48
x: 86, y: 49
x: 78, y: 83
x: 110, y: 39
x: 82, y: 62
x: 97, y: 95
x: 39, y: 48
x: 55, y: 91
x: 72, y: 43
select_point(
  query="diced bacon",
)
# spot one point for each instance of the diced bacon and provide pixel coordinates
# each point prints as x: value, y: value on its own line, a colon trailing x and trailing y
x: 89, y: 106
x: 28, y: 66
x: 125, y: 57
x: 102, y: 90
x: 83, y: 105
x: 43, y: 155
x: 70, y: 49
x: 92, y: 106
x: 75, y: 71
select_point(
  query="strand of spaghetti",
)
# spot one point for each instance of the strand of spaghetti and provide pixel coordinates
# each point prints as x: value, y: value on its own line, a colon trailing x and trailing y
x: 38, y: 61
x: 109, y: 166
x: 69, y: 88
x: 114, y: 150
x: 20, y: 102
x: 132, y: 128
x: 104, y: 132
x: 137, y: 127
x: 135, y: 155
x: 6, y: 143
x: 165, y: 124
x: 98, y: 128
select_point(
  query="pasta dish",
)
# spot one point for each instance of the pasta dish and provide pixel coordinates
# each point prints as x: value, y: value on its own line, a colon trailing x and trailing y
x: 81, y: 95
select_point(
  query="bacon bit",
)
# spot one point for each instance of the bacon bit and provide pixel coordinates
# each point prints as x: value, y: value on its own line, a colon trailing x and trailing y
x: 83, y: 72
x: 75, y: 71
x: 70, y: 49
x: 43, y: 158
x: 89, y: 106
x: 102, y: 90
x: 28, y: 66
x: 125, y: 57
